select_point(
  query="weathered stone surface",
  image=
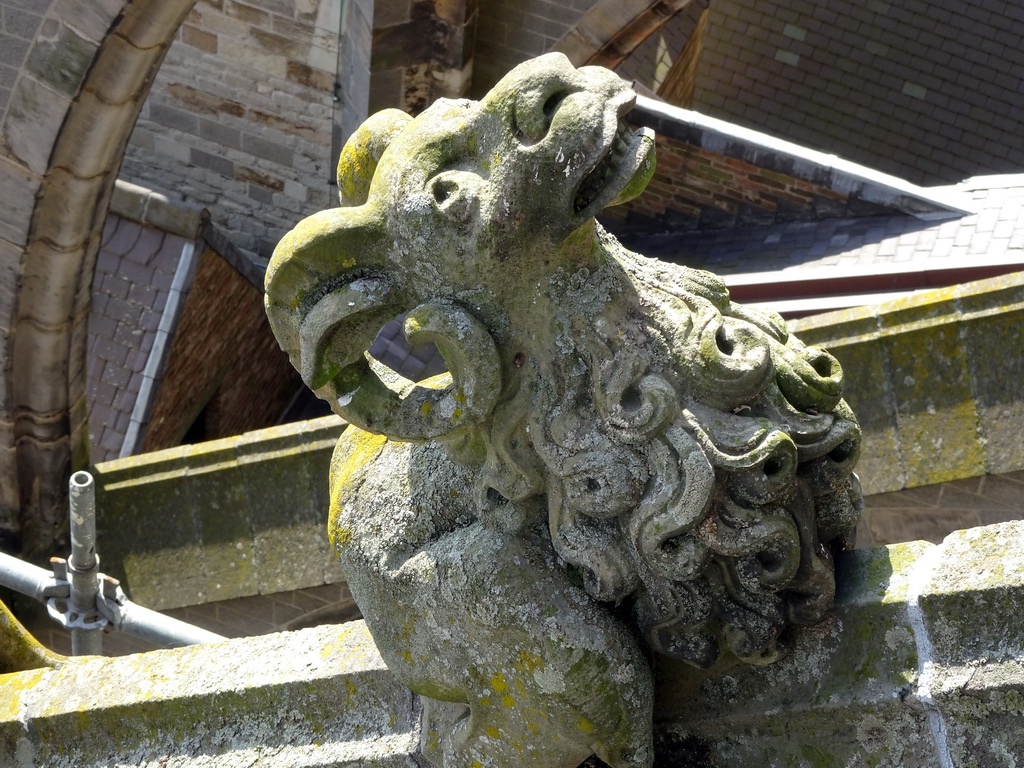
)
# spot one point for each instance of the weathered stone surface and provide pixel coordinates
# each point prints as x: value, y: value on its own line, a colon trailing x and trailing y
x: 318, y: 698
x: 18, y: 187
x: 232, y: 517
x: 60, y: 57
x: 34, y: 118
x: 925, y: 427
x: 919, y: 666
x: 618, y: 446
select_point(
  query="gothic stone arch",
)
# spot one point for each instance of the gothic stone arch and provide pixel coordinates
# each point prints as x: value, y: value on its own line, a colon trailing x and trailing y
x: 77, y: 96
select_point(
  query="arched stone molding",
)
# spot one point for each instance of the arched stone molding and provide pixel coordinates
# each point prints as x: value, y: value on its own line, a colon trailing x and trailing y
x: 66, y: 165
x: 612, y: 29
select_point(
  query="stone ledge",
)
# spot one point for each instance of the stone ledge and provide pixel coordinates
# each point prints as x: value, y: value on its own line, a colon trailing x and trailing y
x: 921, y: 665
x: 154, y: 209
x: 932, y: 378
x: 229, y: 518
x: 317, y: 698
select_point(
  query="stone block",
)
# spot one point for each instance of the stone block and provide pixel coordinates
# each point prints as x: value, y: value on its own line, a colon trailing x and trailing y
x: 34, y: 118
x: 100, y: 130
x: 216, y: 163
x: 999, y: 398
x: 68, y: 227
x: 174, y: 216
x: 184, y: 526
x: 268, y: 150
x: 18, y: 188
x: 170, y: 117
x: 919, y: 666
x: 13, y: 51
x: 61, y: 58
x: 971, y: 606
x: 198, y: 38
x: 319, y: 698
x: 243, y: 53
x: 866, y: 388
x: 91, y: 18
x: 148, y: 532
x: 220, y: 134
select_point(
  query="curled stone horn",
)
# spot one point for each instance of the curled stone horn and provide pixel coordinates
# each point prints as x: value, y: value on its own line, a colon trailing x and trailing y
x: 332, y: 284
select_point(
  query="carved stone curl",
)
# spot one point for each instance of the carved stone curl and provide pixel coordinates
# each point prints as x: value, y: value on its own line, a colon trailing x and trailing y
x: 620, y: 457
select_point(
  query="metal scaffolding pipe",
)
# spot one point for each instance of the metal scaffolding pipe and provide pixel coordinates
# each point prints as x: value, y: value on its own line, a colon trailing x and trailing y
x: 161, y: 630
x: 24, y: 577
x: 83, y: 568
x: 119, y: 613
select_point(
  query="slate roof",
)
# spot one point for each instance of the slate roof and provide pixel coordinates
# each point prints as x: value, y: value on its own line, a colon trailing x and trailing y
x: 798, y: 260
x: 928, y: 91
x: 134, y: 271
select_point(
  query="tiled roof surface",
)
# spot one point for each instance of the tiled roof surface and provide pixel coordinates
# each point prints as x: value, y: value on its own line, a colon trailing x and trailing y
x: 134, y: 270
x: 837, y: 248
x: 928, y: 91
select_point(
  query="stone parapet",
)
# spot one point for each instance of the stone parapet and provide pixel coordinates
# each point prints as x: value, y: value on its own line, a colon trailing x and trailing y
x: 934, y: 379
x: 919, y: 665
x: 224, y: 519
x: 317, y: 698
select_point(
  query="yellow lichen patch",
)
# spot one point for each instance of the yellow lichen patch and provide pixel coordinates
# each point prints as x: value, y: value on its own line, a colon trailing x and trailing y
x: 493, y: 732
x: 336, y: 646
x: 11, y: 688
x: 360, y: 449
x: 530, y: 662
x: 498, y: 683
x: 425, y: 408
x: 585, y: 725
x: 341, y: 537
x: 508, y: 701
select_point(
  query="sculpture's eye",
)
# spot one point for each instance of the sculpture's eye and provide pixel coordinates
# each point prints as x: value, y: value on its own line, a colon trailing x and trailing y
x: 443, y: 189
x: 536, y: 109
x: 551, y: 105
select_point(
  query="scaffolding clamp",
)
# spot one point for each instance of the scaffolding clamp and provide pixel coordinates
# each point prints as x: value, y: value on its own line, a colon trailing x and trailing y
x: 60, y: 605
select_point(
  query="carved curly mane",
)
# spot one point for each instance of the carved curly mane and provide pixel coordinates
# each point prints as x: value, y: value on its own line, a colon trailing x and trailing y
x: 695, y: 458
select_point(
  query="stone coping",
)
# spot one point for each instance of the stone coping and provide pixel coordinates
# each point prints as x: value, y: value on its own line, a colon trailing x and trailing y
x: 934, y: 380
x: 921, y: 664
x: 154, y: 209
x: 228, y: 518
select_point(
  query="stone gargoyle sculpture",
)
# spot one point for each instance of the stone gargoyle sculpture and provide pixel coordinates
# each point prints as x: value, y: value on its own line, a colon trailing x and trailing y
x: 621, y: 460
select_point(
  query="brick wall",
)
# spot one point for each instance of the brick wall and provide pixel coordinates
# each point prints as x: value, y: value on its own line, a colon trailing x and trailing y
x: 693, y: 187
x: 510, y: 32
x: 224, y: 362
x: 930, y: 92
x: 241, y: 116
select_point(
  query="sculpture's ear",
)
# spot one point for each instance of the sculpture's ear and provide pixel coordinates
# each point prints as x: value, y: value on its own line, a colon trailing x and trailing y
x: 361, y: 153
x: 325, y: 251
x: 330, y: 288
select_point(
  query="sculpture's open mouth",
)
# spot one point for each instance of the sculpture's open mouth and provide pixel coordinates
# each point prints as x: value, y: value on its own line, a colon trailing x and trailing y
x: 620, y: 173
